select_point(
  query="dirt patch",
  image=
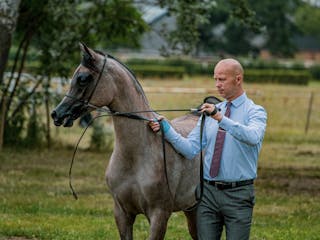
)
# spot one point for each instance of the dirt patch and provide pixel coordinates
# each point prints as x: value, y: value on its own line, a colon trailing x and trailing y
x: 290, y: 180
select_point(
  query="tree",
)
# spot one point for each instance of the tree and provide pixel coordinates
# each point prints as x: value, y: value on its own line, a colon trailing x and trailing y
x: 307, y: 18
x: 8, y: 19
x: 232, y: 26
x: 230, y: 23
x: 41, y: 21
x: 278, y: 24
x: 189, y: 16
x: 195, y: 20
x: 47, y: 31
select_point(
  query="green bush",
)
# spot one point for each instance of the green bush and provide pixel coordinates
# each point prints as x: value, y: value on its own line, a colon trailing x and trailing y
x: 158, y: 71
x: 13, y: 133
x: 174, y: 66
x: 255, y: 71
x: 271, y: 64
x: 277, y: 76
x: 35, y: 130
x: 315, y: 72
x: 102, y: 137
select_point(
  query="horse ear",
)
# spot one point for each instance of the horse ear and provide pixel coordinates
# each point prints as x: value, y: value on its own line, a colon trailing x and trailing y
x: 87, y: 52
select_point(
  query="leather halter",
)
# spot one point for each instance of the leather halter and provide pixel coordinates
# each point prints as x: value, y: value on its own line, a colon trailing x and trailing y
x: 87, y: 103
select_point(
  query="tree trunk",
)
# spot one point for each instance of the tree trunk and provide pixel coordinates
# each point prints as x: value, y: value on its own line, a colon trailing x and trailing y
x: 16, y: 84
x: 8, y: 19
x: 47, y: 97
x: 2, y: 121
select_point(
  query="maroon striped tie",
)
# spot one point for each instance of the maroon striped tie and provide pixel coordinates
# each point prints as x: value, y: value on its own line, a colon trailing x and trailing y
x: 215, y: 163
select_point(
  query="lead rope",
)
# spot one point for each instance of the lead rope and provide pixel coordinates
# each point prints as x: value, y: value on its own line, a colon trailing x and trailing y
x: 132, y: 115
x: 199, y: 198
x: 75, y: 151
x: 165, y: 159
x: 109, y: 114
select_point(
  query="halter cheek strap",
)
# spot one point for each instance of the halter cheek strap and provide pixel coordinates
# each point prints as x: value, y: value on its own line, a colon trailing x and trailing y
x: 87, y: 102
x: 98, y: 80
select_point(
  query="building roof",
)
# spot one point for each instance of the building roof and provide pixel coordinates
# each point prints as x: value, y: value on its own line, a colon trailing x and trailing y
x: 151, y: 13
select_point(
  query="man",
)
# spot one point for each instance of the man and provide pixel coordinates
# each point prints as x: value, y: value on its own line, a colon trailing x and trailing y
x: 231, y: 167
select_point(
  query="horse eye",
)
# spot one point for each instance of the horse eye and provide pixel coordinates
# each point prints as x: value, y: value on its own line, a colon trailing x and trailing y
x: 84, y: 79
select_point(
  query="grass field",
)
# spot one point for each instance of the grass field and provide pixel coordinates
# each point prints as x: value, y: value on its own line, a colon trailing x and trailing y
x: 36, y: 202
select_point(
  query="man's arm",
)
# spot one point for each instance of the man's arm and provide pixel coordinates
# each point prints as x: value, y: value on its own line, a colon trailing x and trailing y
x: 251, y: 133
x: 189, y: 147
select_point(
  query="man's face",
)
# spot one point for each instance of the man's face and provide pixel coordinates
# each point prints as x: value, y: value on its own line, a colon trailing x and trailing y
x: 226, y: 81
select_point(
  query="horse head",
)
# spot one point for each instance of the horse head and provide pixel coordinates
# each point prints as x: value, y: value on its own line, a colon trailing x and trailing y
x: 86, y: 85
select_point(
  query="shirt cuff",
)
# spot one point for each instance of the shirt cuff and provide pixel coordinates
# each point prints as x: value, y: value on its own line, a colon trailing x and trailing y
x: 225, y: 123
x: 165, y: 126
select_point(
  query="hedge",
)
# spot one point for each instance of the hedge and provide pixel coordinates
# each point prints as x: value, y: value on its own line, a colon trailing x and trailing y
x: 190, y: 67
x: 299, y: 77
x: 158, y: 71
x: 271, y: 64
x: 315, y: 72
x: 281, y: 76
x: 179, y: 67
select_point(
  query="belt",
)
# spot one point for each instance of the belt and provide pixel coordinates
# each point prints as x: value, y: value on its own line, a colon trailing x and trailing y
x: 228, y: 185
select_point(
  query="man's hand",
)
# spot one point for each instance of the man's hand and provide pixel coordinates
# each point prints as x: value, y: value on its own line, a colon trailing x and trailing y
x: 209, y: 109
x: 155, y: 123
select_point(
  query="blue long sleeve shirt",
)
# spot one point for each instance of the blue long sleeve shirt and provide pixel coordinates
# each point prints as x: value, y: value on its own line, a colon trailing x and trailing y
x: 245, y: 130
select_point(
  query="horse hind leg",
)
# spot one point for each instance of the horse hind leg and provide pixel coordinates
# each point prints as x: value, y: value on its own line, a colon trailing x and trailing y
x: 124, y: 222
x: 192, y: 223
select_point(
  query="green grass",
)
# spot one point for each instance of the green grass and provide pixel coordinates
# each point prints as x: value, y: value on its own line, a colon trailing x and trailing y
x: 36, y: 202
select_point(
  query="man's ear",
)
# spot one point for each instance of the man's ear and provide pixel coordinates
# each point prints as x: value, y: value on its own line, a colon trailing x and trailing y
x: 239, y: 78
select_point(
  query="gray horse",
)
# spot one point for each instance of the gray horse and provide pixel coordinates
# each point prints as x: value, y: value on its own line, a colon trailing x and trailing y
x: 138, y: 179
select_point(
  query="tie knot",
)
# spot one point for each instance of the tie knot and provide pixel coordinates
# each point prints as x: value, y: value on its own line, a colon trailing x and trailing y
x: 229, y: 104
x: 227, y: 113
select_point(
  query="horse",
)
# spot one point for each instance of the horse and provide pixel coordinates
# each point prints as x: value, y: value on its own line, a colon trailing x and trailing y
x: 139, y: 180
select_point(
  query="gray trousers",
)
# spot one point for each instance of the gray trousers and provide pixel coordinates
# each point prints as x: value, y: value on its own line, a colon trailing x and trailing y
x: 231, y: 208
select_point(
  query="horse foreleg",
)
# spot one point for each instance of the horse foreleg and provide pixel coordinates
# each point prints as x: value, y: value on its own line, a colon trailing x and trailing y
x: 192, y: 223
x: 124, y: 222
x: 158, y: 224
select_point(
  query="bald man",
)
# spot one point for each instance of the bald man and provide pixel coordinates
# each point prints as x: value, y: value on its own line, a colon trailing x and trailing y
x: 232, y: 139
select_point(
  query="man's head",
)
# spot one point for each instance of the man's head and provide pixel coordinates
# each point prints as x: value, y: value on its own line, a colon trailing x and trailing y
x: 228, y: 76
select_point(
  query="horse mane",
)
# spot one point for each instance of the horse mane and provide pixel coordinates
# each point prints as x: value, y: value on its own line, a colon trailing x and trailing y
x: 131, y: 73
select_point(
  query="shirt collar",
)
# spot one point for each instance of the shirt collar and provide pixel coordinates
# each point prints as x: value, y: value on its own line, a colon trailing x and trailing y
x: 238, y: 101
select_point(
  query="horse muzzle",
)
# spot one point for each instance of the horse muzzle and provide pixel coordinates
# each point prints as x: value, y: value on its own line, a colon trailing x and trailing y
x: 66, y: 118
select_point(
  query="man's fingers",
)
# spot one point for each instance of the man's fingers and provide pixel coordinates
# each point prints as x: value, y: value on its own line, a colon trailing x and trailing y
x: 207, y: 108
x: 154, y: 125
x: 158, y: 119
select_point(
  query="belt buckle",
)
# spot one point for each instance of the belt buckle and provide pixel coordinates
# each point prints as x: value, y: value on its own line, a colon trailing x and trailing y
x: 222, y: 185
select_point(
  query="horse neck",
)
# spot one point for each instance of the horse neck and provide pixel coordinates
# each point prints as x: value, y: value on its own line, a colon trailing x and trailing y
x: 129, y: 98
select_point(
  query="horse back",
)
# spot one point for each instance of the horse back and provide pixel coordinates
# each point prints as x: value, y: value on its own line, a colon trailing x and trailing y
x: 185, y: 124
